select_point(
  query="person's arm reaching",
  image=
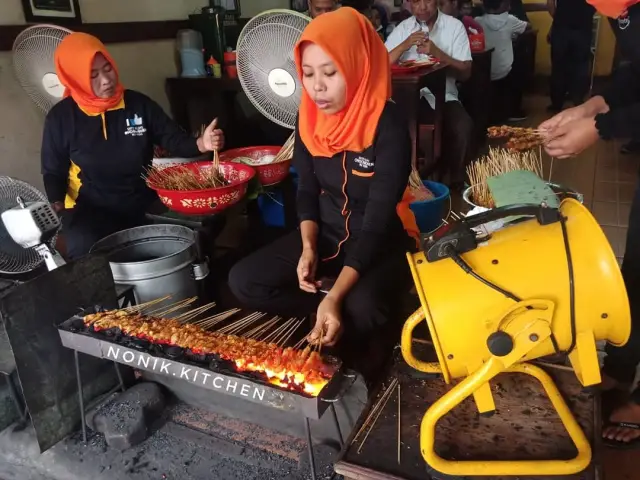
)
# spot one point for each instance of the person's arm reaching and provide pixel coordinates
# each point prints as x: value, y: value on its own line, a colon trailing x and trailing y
x: 55, y: 163
x: 170, y: 136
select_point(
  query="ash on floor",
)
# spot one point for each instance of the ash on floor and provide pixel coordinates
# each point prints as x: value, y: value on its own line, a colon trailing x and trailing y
x: 172, y: 451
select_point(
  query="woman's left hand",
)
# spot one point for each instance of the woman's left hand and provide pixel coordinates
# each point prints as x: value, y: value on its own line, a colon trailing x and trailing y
x: 328, y: 328
x: 572, y: 138
x: 213, y: 137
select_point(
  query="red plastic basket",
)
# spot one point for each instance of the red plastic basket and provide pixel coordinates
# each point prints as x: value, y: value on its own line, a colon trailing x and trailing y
x: 268, y: 174
x: 210, y: 200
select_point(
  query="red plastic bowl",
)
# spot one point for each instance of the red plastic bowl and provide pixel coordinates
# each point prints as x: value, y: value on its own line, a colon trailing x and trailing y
x: 210, y: 200
x: 270, y: 173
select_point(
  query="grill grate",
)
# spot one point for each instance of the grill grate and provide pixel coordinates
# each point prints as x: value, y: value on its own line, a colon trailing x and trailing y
x: 14, y: 259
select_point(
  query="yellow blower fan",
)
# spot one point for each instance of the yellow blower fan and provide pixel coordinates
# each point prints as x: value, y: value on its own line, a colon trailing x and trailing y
x: 545, y: 284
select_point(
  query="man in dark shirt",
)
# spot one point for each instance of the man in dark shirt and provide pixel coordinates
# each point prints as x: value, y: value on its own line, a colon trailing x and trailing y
x: 570, y: 39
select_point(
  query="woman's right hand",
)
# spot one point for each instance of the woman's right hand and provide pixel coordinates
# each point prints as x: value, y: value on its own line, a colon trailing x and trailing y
x: 306, y: 270
x: 564, y: 117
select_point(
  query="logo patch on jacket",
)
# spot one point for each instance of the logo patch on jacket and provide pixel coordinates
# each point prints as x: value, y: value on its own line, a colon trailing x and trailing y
x: 364, y: 163
x: 135, y: 126
x: 363, y: 167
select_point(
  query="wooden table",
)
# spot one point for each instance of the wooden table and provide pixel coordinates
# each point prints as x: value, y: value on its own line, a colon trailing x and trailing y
x: 406, y: 93
x: 524, y: 427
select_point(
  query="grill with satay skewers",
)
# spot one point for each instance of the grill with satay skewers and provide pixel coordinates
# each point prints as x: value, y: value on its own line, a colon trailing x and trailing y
x: 262, y: 351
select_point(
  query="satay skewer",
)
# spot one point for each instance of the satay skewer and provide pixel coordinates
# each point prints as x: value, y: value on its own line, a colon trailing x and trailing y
x: 192, y: 314
x: 376, y: 408
x: 142, y: 306
x: 278, y: 330
x: 379, y: 411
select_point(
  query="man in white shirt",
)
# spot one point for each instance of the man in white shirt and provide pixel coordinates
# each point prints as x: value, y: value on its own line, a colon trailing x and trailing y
x: 430, y: 32
x: 500, y: 29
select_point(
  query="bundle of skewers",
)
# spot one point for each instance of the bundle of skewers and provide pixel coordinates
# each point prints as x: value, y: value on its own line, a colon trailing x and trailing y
x: 250, y: 343
x: 518, y: 139
x: 498, y: 162
x: 419, y: 192
x: 185, y: 177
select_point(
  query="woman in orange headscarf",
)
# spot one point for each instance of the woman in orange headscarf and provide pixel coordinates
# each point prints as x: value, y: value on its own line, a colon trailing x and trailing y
x: 614, y: 115
x: 353, y: 157
x: 99, y: 140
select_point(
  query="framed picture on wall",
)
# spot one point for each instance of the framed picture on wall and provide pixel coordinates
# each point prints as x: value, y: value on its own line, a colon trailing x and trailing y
x: 64, y: 12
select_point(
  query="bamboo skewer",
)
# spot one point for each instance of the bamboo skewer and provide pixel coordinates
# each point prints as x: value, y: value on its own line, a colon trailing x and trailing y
x: 281, y: 338
x: 214, y: 320
x: 239, y: 325
x: 286, y: 339
x: 286, y: 152
x: 142, y: 306
x: 300, y: 343
x: 272, y: 335
x: 260, y: 330
x: 383, y: 403
x: 375, y: 408
x: 193, y: 314
x: 165, y: 310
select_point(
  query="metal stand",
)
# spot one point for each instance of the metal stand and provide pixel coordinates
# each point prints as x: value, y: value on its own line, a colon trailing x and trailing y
x: 307, y: 429
x: 312, y: 457
x: 13, y: 392
x: 126, y: 297
x: 81, y: 393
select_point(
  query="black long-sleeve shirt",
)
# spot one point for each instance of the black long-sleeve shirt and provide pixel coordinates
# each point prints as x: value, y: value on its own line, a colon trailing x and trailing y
x: 353, y: 195
x: 623, y: 94
x: 99, y: 159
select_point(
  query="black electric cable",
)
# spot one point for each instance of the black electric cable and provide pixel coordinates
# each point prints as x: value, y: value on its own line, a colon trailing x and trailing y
x: 572, y: 287
x: 455, y: 256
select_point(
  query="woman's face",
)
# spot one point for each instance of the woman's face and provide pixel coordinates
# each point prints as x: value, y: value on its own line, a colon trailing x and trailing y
x: 322, y: 80
x: 103, y: 77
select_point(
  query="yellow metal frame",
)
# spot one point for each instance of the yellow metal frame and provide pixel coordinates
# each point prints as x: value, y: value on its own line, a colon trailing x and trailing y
x: 521, y: 328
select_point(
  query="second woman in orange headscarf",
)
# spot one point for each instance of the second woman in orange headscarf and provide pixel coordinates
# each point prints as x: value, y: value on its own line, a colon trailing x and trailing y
x: 352, y: 153
x: 99, y: 140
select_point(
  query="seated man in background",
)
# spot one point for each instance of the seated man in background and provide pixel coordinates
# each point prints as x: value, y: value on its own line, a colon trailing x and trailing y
x: 500, y: 29
x: 430, y: 32
x: 454, y: 8
x: 318, y: 7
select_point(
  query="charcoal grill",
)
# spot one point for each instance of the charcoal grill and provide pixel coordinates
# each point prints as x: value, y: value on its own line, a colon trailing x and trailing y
x: 209, y: 372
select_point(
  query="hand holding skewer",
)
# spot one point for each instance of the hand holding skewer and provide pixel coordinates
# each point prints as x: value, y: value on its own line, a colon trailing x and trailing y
x: 212, y: 138
x: 328, y: 328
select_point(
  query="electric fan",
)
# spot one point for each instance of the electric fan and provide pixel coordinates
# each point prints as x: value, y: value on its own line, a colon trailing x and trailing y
x: 266, y: 67
x: 546, y: 285
x: 33, y: 62
x: 28, y: 229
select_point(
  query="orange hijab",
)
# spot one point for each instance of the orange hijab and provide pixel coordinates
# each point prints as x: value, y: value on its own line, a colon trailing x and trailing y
x: 74, y: 58
x: 612, y: 8
x: 359, y: 54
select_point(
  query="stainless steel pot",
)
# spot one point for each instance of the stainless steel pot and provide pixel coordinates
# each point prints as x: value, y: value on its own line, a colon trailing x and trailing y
x: 157, y: 260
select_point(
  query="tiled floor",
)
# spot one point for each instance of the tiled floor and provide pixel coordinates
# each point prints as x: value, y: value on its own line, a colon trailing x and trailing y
x: 608, y: 180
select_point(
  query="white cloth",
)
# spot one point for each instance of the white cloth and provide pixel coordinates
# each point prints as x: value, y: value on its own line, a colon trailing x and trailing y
x: 499, y: 32
x: 448, y: 34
